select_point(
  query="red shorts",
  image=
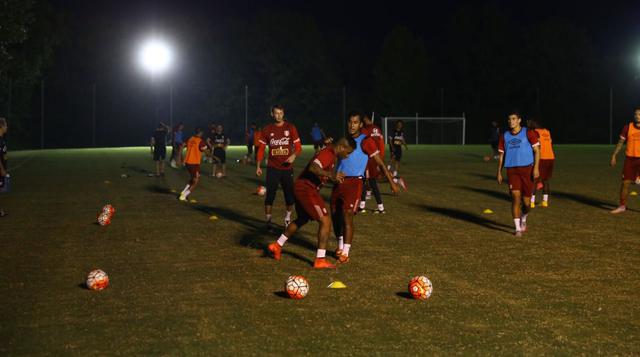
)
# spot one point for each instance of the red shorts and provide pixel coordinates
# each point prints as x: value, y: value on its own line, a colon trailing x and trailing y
x: 631, y: 169
x: 520, y: 179
x: 346, y: 195
x: 194, y: 170
x: 546, y: 169
x: 373, y: 170
x: 309, y: 203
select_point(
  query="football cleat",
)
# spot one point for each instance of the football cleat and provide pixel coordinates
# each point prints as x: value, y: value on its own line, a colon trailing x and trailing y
x: 338, y: 252
x: 276, y: 250
x: 322, y: 263
x: 342, y: 259
x: 379, y: 211
x: 533, y: 204
x: 182, y: 198
x: 518, y: 234
x: 362, y: 210
x: 545, y: 204
x: 620, y: 209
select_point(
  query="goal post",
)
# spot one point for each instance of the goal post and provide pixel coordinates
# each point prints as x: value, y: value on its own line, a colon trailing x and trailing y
x: 429, y: 130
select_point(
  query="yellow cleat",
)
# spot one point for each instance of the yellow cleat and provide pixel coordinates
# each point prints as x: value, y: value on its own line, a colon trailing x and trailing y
x: 545, y: 204
x: 533, y: 204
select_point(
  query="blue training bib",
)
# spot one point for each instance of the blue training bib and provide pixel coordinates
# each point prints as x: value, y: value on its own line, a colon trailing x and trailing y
x: 356, y: 163
x: 517, y: 149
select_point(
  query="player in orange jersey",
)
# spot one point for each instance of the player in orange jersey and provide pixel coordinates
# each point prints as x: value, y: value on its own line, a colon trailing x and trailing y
x: 631, y: 170
x: 547, y: 159
x: 195, y: 147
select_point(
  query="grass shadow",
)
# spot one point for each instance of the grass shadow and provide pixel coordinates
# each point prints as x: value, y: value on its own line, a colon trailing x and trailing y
x: 467, y: 217
x: 404, y: 295
x: 281, y: 294
x: 257, y: 236
x: 257, y: 181
x: 586, y: 200
x: 159, y: 189
x: 482, y: 176
x: 491, y: 193
x: 136, y: 169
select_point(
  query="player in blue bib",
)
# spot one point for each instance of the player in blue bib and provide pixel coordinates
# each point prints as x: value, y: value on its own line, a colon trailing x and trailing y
x: 520, y: 154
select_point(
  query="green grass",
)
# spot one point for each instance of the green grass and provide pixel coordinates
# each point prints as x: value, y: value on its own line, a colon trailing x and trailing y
x: 184, y: 285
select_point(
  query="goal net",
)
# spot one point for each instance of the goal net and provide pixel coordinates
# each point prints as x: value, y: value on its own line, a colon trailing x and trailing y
x: 428, y: 130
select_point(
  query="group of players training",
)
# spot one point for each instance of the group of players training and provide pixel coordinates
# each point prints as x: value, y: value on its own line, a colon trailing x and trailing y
x: 358, y: 159
x: 348, y: 162
x: 527, y: 154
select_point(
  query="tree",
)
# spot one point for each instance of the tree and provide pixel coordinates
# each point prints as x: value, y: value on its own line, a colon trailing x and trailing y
x: 401, y: 73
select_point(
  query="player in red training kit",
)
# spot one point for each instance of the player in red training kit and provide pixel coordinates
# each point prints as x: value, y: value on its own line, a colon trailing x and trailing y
x: 284, y: 146
x: 309, y: 203
x: 631, y: 170
x: 373, y: 170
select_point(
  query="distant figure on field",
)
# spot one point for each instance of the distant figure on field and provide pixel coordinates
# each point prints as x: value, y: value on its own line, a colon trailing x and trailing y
x: 631, y: 169
x: 547, y: 160
x: 494, y: 138
x: 159, y: 147
x: 4, y: 174
x: 177, y: 142
x: 317, y: 136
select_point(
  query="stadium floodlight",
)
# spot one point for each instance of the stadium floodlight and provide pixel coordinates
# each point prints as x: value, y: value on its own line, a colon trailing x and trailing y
x: 155, y: 56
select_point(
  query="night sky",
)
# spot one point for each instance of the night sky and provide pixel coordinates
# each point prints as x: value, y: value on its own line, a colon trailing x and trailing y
x: 99, y: 41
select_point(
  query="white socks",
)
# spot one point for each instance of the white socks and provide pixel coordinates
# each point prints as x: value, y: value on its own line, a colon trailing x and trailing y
x: 363, y: 204
x: 545, y: 197
x: 516, y: 222
x: 268, y: 217
x: 381, y: 207
x: 345, y: 250
x: 287, y: 216
x: 321, y: 253
x: 341, y: 242
x: 282, y: 240
x: 523, y: 219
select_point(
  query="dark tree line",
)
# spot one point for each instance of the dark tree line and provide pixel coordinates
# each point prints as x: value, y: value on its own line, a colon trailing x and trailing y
x: 483, y: 62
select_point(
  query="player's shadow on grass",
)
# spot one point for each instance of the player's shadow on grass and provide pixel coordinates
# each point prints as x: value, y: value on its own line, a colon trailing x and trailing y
x: 483, y: 176
x: 255, y: 180
x: 135, y: 169
x: 404, y: 295
x: 256, y: 236
x: 159, y: 189
x: 467, y: 217
x: 590, y: 201
x: 491, y: 193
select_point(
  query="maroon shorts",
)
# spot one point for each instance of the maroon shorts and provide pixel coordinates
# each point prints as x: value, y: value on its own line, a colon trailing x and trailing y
x: 546, y: 169
x: 309, y: 203
x: 373, y: 170
x: 346, y: 195
x: 194, y: 170
x: 631, y: 169
x: 520, y: 179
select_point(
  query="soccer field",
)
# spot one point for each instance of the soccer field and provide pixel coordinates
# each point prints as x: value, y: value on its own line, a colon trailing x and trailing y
x: 183, y: 284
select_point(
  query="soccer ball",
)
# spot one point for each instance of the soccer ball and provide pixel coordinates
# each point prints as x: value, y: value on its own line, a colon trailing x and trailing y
x: 486, y: 158
x: 104, y: 219
x: 420, y: 287
x: 219, y: 174
x: 297, y: 287
x: 108, y: 210
x: 97, y: 280
x: 261, y: 191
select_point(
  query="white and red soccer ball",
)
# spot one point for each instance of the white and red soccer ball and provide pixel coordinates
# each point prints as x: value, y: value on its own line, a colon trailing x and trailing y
x: 261, y: 191
x: 106, y: 214
x: 420, y: 287
x: 297, y: 287
x: 97, y: 280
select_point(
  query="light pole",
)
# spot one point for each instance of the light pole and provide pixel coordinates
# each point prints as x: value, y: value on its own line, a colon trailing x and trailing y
x: 156, y: 58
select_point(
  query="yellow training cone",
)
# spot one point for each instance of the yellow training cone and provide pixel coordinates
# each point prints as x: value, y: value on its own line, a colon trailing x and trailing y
x: 193, y: 201
x: 173, y: 191
x: 107, y: 182
x: 633, y: 193
x: 487, y: 211
x: 213, y: 218
x: 337, y: 285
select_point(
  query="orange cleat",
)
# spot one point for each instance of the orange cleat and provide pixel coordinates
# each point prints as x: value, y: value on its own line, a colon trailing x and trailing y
x: 342, y: 259
x: 338, y: 252
x: 276, y: 250
x: 322, y: 263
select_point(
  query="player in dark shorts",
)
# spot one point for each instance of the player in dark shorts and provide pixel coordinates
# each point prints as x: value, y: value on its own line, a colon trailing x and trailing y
x: 317, y: 136
x: 397, y: 142
x: 520, y: 154
x: 177, y: 146
x: 195, y: 147
x: 284, y: 146
x: 159, y: 147
x: 219, y: 142
x: 309, y: 203
x: 372, y: 173
x: 249, y: 140
x: 4, y: 174
x: 631, y: 169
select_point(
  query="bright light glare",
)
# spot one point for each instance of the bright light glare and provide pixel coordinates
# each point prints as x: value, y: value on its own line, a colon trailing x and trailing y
x: 155, y: 56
